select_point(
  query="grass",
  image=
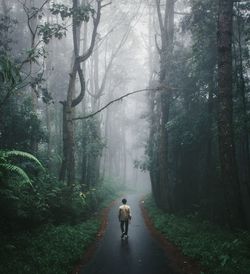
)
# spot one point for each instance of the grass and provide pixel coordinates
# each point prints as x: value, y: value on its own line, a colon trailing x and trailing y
x: 50, y: 250
x: 55, y: 249
x: 219, y: 250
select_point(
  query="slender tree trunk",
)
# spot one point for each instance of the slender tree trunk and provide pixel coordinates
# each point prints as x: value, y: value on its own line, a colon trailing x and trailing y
x: 48, y: 125
x: 242, y: 88
x: 166, y: 24
x: 229, y: 173
x: 32, y: 28
x: 124, y: 155
x: 68, y: 106
x: 70, y: 166
x: 62, y: 173
x: 83, y: 151
x: 165, y: 198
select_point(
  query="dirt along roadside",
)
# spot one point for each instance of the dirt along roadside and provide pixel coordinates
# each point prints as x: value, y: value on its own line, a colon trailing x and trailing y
x: 88, y: 254
x: 177, y: 260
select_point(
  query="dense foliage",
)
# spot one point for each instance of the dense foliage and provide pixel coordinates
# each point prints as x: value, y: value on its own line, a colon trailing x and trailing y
x: 189, y: 147
x: 51, y: 249
x: 45, y: 223
x: 219, y: 251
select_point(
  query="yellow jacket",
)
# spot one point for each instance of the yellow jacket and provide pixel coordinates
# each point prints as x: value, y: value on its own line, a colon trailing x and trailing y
x: 124, y: 213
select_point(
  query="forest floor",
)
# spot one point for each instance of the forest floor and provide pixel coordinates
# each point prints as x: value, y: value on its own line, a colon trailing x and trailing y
x: 145, y: 251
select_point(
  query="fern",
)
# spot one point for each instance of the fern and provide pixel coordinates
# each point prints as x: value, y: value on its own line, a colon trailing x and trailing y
x: 9, y: 71
x: 7, y: 166
x: 27, y: 156
x: 15, y: 169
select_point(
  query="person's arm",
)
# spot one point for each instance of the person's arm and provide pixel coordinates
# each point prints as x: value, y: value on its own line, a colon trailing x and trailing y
x: 119, y: 215
x: 129, y: 214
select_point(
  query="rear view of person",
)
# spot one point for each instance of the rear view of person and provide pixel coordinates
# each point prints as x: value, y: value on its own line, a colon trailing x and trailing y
x: 124, y: 218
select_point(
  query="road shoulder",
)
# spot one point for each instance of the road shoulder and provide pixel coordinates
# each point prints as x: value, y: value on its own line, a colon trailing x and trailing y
x: 178, y: 261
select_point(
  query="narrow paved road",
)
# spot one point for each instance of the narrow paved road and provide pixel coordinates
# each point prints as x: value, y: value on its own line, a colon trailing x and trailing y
x: 140, y: 254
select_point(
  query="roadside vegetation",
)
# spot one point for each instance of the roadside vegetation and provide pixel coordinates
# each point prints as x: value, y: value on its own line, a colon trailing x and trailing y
x: 51, y: 249
x: 218, y: 250
x: 44, y: 230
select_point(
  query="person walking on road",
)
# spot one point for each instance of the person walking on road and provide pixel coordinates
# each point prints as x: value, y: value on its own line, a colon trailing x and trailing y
x: 124, y: 218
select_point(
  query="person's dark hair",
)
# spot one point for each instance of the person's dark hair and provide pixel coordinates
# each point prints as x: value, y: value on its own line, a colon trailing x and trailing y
x: 124, y: 201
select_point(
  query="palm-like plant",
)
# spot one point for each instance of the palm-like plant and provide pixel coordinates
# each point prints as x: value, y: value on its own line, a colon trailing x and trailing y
x: 8, y: 166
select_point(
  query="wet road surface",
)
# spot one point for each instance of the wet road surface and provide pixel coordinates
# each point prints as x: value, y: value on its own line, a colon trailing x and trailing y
x: 139, y: 254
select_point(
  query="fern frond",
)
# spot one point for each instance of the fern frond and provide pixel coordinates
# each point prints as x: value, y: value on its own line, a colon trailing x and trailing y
x: 26, y: 155
x: 17, y: 170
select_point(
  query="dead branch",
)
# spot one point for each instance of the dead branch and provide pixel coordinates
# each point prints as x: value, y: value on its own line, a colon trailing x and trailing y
x: 103, y: 6
x: 113, y: 101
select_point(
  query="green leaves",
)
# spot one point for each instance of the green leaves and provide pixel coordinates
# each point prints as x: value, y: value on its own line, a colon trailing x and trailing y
x: 53, y: 249
x: 80, y: 14
x: 17, y: 170
x: 9, y: 73
x: 7, y: 165
x: 25, y: 155
x: 47, y: 31
x: 62, y: 10
x: 83, y: 13
x: 218, y: 250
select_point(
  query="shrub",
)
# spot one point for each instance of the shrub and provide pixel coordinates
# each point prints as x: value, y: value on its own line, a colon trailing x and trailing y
x: 219, y: 250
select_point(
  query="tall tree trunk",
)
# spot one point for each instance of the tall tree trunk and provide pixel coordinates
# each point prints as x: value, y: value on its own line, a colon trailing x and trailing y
x: 48, y: 125
x: 32, y: 23
x: 68, y: 106
x: 166, y: 55
x: 153, y: 147
x: 164, y: 197
x: 229, y: 173
x: 106, y: 157
x: 62, y: 173
x: 242, y: 88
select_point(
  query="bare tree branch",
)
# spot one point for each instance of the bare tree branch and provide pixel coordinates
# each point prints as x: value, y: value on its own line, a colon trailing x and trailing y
x: 181, y: 13
x: 113, y: 56
x: 113, y: 101
x: 158, y: 3
x: 96, y: 21
x: 106, y: 4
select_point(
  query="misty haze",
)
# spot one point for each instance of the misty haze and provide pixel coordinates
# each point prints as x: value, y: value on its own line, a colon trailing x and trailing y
x: 124, y: 136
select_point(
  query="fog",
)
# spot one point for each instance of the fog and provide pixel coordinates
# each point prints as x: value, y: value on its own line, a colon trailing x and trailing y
x: 122, y: 44
x: 137, y: 93
x: 102, y: 100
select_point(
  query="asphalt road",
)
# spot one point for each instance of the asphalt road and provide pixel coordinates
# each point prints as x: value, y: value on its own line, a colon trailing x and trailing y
x: 139, y: 254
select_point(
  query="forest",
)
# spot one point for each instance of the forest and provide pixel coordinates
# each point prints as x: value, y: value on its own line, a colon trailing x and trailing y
x: 105, y: 99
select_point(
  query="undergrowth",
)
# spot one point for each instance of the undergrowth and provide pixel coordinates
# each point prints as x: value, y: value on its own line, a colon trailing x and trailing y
x: 51, y: 249
x: 218, y: 250
x: 55, y: 244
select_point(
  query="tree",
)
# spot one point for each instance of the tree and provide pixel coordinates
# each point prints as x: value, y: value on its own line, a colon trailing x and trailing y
x: 240, y: 66
x: 79, y: 15
x: 229, y: 173
x: 166, y: 24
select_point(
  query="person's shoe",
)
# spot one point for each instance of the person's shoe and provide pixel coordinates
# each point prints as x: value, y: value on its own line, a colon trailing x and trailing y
x: 122, y: 235
x: 126, y: 236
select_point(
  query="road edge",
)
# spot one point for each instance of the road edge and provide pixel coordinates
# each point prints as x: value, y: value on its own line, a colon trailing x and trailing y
x: 88, y: 254
x: 180, y: 263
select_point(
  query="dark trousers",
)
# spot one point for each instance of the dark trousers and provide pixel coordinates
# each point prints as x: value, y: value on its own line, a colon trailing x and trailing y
x: 124, y: 223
